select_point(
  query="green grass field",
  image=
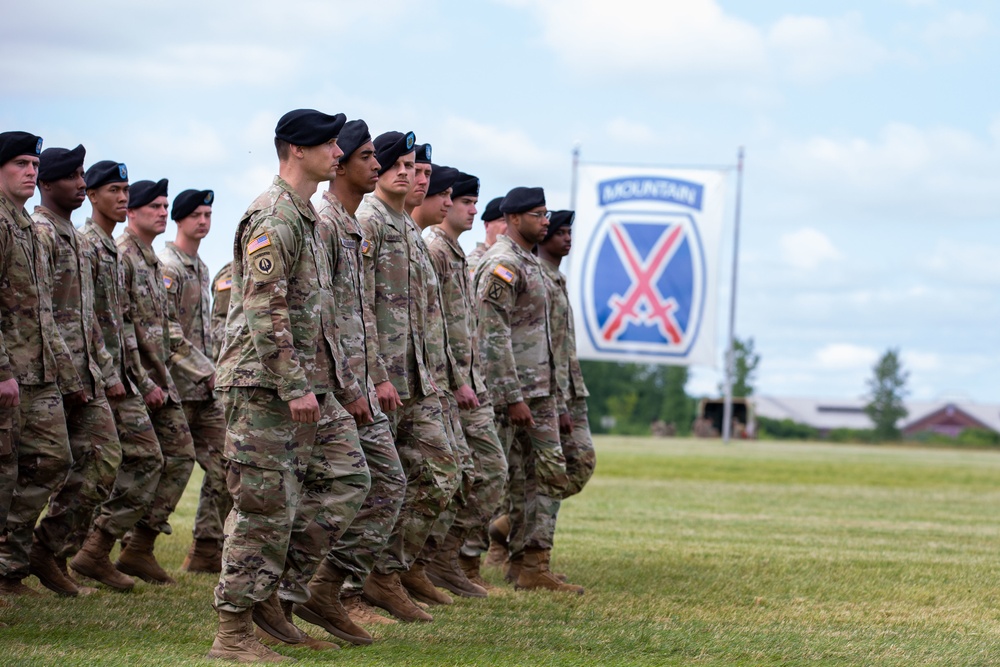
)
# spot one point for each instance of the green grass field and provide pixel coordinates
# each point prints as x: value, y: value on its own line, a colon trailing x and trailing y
x: 692, y: 552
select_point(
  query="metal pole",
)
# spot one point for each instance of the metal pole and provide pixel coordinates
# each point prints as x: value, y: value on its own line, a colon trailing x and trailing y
x: 727, y: 410
x: 572, y: 182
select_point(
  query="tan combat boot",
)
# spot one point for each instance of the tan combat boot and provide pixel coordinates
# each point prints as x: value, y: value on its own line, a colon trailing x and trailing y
x: 310, y: 642
x: 270, y: 617
x: 444, y: 570
x: 137, y: 557
x: 470, y: 565
x: 42, y: 563
x: 513, y: 568
x: 92, y: 561
x: 385, y: 591
x: 499, y: 531
x: 417, y: 584
x: 14, y: 586
x: 363, y: 613
x: 535, y: 574
x: 324, y: 608
x: 205, y: 555
x: 235, y: 640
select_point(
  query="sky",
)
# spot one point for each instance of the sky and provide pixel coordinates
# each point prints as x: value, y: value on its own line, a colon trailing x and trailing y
x: 871, y: 129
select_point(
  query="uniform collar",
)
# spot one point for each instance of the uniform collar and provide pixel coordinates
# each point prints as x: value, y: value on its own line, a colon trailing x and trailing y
x: 19, y: 216
x: 188, y: 260
x: 147, y: 250
x: 62, y: 226
x: 304, y: 207
x: 456, y: 249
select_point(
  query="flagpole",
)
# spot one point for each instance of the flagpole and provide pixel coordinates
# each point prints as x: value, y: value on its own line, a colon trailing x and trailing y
x: 727, y: 410
x: 572, y: 182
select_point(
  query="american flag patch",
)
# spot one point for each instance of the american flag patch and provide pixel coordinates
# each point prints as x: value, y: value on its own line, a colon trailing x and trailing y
x: 167, y: 282
x: 504, y: 273
x: 261, y: 241
x: 365, y: 246
x: 224, y: 284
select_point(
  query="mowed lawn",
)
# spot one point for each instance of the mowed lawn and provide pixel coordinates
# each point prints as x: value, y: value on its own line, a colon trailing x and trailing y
x: 692, y: 552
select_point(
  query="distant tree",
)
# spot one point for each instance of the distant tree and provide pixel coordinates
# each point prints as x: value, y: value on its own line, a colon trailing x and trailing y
x: 887, y: 387
x: 745, y: 361
x: 677, y: 407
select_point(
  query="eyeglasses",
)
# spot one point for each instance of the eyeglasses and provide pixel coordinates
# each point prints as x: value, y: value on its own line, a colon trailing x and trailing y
x: 540, y: 214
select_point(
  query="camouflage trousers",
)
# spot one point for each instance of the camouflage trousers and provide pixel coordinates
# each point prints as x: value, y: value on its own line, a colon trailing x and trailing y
x: 43, y: 459
x: 459, y: 502
x: 295, y: 488
x: 8, y: 461
x: 537, y: 479
x: 97, y: 453
x: 578, y: 448
x: 490, y: 478
x: 431, y: 479
x: 359, y: 547
x: 139, y: 473
x: 207, y: 421
x: 177, y: 447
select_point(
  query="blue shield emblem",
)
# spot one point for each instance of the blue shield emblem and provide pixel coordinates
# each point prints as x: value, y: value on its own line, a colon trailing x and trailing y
x: 644, y: 283
x: 122, y: 171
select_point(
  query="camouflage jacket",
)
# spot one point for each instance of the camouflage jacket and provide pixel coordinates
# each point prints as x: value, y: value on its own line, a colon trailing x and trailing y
x: 440, y: 359
x: 111, y: 305
x: 569, y: 376
x: 474, y: 257
x: 514, y: 325
x: 188, y: 303
x: 456, y: 300
x: 355, y: 321
x: 72, y: 292
x: 275, y: 335
x: 222, y: 287
x: 393, y: 284
x: 159, y: 339
x: 31, y: 349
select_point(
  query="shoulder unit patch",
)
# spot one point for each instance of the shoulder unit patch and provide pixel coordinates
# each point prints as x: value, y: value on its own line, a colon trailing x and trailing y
x: 261, y: 241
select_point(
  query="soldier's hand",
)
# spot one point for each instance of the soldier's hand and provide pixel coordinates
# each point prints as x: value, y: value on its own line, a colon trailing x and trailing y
x: 466, y: 398
x: 388, y: 397
x: 155, y: 399
x: 305, y: 409
x: 360, y: 411
x: 117, y: 390
x: 565, y: 423
x: 520, y: 414
x: 10, y: 394
x: 75, y: 399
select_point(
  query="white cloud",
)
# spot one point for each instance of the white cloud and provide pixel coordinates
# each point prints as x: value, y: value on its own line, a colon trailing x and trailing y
x: 810, y: 49
x: 920, y: 361
x: 843, y: 356
x: 808, y: 248
x: 966, y: 262
x: 193, y: 143
x: 628, y: 131
x: 956, y: 29
x: 507, y: 148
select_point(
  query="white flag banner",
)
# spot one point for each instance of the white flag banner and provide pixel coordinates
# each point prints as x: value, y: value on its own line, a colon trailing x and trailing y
x: 644, y: 276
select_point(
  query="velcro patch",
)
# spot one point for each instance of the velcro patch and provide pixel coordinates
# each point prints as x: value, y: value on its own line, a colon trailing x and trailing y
x: 366, y: 246
x: 349, y: 243
x: 504, y: 273
x: 168, y: 282
x: 496, y: 289
x: 264, y: 264
x: 266, y: 267
x: 261, y: 241
x: 223, y: 284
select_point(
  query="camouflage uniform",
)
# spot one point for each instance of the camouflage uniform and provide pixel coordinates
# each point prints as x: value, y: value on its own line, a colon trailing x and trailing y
x: 360, y: 545
x: 578, y: 446
x: 159, y: 343
x: 186, y: 281
x: 93, y: 437
x: 222, y: 287
x: 490, y: 464
x: 514, y: 331
x: 474, y: 257
x: 295, y: 486
x: 142, y: 462
x: 32, y: 352
x: 399, y: 353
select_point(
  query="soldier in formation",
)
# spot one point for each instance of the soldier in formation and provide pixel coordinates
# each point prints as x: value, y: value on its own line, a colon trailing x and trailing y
x: 362, y: 397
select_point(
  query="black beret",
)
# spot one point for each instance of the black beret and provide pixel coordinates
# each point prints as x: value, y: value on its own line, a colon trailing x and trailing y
x: 557, y: 220
x: 492, y: 210
x: 423, y: 153
x: 308, y: 127
x: 104, y: 172
x: 144, y: 192
x: 13, y: 144
x: 353, y: 136
x: 466, y: 185
x: 186, y: 202
x: 522, y: 199
x: 442, y: 178
x: 390, y: 146
x: 59, y: 163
